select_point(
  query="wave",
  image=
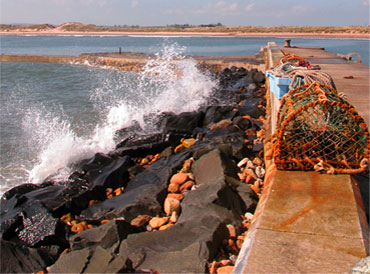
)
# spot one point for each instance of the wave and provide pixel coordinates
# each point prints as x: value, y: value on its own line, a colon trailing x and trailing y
x: 168, y: 82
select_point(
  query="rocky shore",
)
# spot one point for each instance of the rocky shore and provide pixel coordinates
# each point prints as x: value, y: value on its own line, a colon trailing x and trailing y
x: 179, y: 200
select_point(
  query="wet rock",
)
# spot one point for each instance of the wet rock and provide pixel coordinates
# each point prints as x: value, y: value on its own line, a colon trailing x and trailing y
x: 215, y: 114
x: 183, y: 123
x: 15, y: 258
x: 30, y: 222
x: 250, y: 107
x: 242, y: 123
x: 18, y: 191
x: 144, y: 194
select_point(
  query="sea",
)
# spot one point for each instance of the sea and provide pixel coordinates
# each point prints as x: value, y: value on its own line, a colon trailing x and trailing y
x: 54, y: 115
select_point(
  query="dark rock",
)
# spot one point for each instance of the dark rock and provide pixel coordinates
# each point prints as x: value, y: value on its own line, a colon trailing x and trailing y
x: 195, y: 239
x: 142, y: 145
x: 101, y: 172
x: 183, y: 123
x: 16, y: 258
x: 250, y: 107
x: 107, y: 236
x: 231, y: 135
x: 18, y: 190
x: 215, y: 114
x: 72, y: 262
x: 144, y: 194
x: 30, y: 222
x: 187, y: 240
x: 258, y: 77
x: 242, y: 123
x: 248, y: 196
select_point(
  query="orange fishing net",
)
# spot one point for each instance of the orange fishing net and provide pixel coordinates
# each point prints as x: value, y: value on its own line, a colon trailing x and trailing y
x: 319, y: 130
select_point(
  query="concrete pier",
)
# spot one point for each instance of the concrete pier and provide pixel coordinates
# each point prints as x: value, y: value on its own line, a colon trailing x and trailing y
x: 307, y: 222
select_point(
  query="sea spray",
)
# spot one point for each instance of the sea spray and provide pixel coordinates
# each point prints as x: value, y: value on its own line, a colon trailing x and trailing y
x: 170, y: 82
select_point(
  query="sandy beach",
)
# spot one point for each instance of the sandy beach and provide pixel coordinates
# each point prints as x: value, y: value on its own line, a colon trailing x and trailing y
x: 185, y: 33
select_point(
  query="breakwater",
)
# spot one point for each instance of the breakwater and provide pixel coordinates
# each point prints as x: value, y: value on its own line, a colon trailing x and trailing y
x: 155, y: 199
x: 130, y: 61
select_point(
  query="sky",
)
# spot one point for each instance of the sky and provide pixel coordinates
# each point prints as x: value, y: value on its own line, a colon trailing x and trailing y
x: 193, y: 12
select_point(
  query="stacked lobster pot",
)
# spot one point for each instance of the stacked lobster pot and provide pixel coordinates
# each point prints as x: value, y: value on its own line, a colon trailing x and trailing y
x: 317, y: 129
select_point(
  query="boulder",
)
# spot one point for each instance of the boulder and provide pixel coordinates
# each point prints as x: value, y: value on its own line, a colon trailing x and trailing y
x: 30, y: 222
x: 183, y: 123
x: 215, y: 114
x: 15, y: 258
x: 71, y: 262
x: 144, y: 194
x: 107, y: 236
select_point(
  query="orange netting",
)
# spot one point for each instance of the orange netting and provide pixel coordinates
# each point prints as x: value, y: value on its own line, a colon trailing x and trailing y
x: 319, y: 130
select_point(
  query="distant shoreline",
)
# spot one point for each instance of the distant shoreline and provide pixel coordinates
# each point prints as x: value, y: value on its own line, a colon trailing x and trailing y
x: 197, y: 34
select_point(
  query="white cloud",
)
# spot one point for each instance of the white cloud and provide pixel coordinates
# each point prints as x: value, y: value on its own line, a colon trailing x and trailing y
x: 366, y: 3
x: 134, y: 4
x: 250, y: 7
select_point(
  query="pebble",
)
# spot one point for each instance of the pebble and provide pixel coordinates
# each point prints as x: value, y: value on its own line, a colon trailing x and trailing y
x: 164, y: 227
x: 232, y: 231
x: 225, y: 269
x: 93, y: 202
x: 243, y: 162
x: 185, y: 187
x: 250, y: 165
x: 257, y: 161
x: 157, y: 222
x: 118, y: 191
x: 186, y: 167
x: 177, y: 196
x: 248, y: 216
x: 249, y: 171
x: 67, y: 219
x: 260, y: 172
x: 250, y: 179
x: 171, y: 205
x: 174, y: 217
x: 140, y: 220
x: 180, y: 178
x: 173, y: 188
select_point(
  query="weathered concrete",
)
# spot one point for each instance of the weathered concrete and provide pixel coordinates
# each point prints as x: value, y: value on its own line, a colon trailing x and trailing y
x: 306, y: 222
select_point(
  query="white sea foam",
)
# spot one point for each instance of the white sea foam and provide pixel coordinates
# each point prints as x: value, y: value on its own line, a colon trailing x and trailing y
x: 169, y: 82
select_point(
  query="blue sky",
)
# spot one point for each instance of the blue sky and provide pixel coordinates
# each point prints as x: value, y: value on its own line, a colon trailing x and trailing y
x: 166, y: 12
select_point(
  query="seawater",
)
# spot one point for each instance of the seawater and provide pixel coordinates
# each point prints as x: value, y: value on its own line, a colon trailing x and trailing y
x: 54, y: 115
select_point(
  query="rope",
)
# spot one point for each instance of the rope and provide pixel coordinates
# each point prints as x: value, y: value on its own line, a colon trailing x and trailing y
x: 300, y: 77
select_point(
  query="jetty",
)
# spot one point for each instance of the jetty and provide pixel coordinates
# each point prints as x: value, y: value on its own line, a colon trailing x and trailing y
x: 305, y: 221
x: 308, y: 222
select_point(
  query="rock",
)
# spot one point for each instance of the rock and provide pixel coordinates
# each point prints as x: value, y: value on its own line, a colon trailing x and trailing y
x: 362, y: 267
x: 260, y: 172
x: 173, y: 188
x: 221, y: 124
x: 144, y: 194
x: 186, y: 186
x: 174, y: 217
x: 140, y: 220
x: 72, y: 262
x: 180, y: 178
x: 107, y: 236
x: 15, y: 258
x: 164, y: 227
x: 171, y: 205
x: 250, y: 107
x: 225, y: 269
x: 29, y: 221
x: 100, y: 173
x: 18, y: 190
x: 157, y: 222
x: 242, y: 123
x: 177, y: 196
x: 214, y: 114
x: 232, y: 231
x: 183, y: 123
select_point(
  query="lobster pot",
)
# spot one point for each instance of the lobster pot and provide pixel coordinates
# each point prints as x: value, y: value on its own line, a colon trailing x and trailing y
x: 318, y: 130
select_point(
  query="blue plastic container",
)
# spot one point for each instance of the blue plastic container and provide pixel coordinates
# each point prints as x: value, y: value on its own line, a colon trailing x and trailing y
x: 278, y: 85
